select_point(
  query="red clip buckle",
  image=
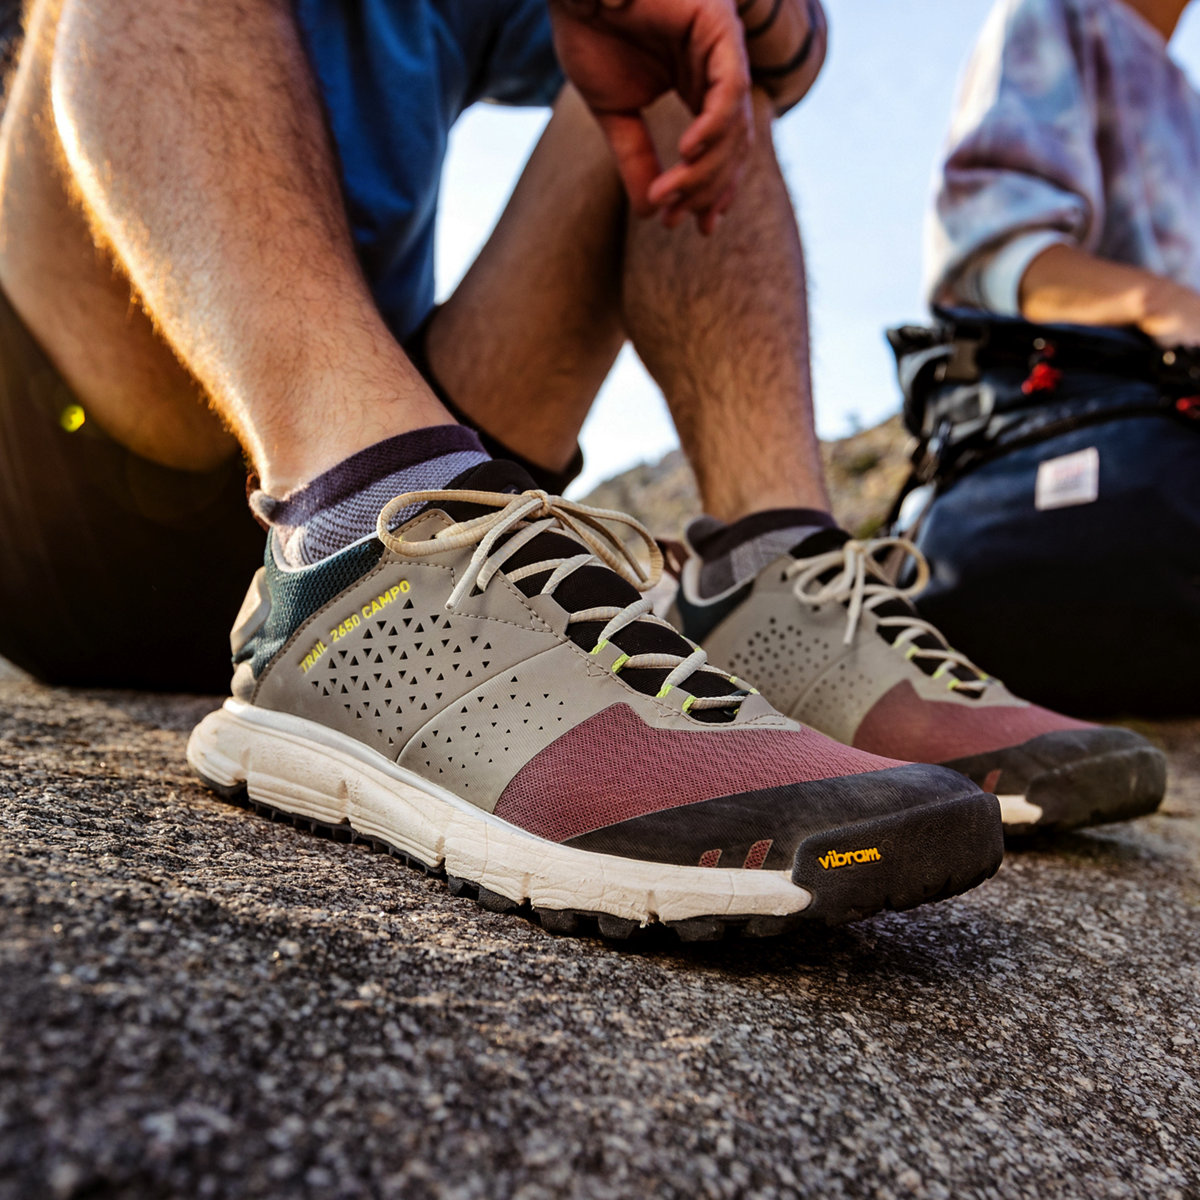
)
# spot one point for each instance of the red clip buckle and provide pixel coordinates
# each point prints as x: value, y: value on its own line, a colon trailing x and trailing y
x: 1043, y: 378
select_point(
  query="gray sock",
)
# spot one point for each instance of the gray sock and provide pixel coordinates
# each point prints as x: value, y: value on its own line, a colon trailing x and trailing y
x: 343, y: 504
x: 733, y: 554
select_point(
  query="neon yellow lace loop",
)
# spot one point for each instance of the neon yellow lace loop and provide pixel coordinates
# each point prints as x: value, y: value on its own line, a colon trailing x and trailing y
x: 862, y: 584
x: 523, y: 517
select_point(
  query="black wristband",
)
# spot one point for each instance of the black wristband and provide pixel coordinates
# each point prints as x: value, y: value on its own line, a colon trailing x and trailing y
x: 753, y: 31
x: 802, y: 55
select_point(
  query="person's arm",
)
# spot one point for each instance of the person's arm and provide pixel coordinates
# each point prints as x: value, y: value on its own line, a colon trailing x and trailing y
x: 1067, y: 285
x: 786, y: 42
x: 1021, y: 171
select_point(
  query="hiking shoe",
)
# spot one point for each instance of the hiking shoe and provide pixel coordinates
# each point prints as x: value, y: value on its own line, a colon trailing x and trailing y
x: 477, y: 691
x: 833, y: 643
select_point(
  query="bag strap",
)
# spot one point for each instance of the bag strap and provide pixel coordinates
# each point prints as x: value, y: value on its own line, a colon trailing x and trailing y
x: 957, y: 429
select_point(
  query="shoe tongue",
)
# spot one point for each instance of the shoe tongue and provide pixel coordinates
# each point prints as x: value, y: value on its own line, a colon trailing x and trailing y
x: 821, y: 541
x: 592, y: 586
x: 494, y: 475
x: 499, y: 475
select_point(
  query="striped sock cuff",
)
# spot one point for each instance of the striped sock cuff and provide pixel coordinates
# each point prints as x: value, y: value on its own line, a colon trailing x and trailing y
x: 343, y: 504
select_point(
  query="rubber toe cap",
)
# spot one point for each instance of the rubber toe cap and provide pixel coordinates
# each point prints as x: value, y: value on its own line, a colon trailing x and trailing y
x: 766, y: 828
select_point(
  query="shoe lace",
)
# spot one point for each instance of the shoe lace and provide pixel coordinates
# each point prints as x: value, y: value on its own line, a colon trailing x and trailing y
x: 515, y: 521
x: 852, y: 575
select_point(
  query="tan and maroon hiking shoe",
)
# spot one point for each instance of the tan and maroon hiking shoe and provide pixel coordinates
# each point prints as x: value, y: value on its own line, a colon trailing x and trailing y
x: 477, y: 691
x: 833, y: 643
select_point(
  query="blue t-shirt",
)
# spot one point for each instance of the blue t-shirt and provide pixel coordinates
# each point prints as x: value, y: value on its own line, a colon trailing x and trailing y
x: 395, y: 75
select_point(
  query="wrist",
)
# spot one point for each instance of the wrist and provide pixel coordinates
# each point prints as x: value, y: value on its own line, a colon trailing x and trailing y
x: 785, y: 45
x: 1155, y: 300
x: 761, y: 19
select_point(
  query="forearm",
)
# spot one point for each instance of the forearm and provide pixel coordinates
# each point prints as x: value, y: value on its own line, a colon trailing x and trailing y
x: 785, y: 42
x: 1065, y: 284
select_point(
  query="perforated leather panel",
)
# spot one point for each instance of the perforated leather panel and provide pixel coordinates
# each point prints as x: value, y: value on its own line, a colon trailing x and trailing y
x: 477, y: 745
x: 466, y: 698
x: 381, y: 675
x: 798, y: 657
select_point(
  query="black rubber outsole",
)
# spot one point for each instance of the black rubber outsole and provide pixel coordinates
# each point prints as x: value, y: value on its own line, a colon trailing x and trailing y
x: 892, y: 890
x: 1118, y: 786
x: 915, y: 856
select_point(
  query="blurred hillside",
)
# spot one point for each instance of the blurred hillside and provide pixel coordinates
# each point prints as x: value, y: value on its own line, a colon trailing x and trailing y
x: 865, y: 472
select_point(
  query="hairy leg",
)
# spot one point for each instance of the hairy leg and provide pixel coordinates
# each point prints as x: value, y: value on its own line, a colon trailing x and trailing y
x: 525, y: 342
x: 74, y: 299
x: 193, y: 132
x: 722, y: 325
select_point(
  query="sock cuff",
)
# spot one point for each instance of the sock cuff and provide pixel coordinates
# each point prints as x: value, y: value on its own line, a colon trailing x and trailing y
x: 358, y: 472
x: 716, y: 541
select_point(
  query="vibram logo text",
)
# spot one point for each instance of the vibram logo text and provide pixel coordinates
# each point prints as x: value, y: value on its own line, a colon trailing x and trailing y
x: 835, y: 858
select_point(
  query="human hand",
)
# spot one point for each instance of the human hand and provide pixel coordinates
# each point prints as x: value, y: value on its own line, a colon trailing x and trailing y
x: 1066, y: 284
x: 1172, y: 316
x: 621, y: 55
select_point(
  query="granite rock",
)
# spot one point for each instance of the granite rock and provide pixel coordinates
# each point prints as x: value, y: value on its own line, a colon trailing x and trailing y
x: 198, y: 1002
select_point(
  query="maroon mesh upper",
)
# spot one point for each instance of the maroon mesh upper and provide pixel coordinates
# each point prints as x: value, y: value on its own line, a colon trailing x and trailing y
x: 900, y: 722
x: 614, y: 767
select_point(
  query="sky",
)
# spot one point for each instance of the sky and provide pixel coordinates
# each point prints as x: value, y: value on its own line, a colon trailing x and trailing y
x: 858, y: 155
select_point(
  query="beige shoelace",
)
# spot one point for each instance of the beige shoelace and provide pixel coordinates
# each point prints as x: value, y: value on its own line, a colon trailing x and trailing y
x: 862, y: 584
x: 526, y: 515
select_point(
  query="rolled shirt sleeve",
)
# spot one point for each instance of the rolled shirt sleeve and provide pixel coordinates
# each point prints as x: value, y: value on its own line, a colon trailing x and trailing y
x: 1021, y: 172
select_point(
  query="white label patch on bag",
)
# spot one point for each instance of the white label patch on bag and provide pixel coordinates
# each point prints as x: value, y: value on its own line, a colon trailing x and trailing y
x: 1072, y: 479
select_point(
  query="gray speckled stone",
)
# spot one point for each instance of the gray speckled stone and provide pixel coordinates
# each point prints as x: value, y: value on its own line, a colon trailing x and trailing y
x: 196, y: 1002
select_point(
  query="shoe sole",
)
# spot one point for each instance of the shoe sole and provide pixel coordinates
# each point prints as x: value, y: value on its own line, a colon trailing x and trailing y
x: 924, y: 854
x: 1116, y: 786
x: 323, y: 780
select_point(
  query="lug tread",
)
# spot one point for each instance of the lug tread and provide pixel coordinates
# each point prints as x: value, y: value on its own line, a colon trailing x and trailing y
x: 567, y: 922
x: 571, y: 922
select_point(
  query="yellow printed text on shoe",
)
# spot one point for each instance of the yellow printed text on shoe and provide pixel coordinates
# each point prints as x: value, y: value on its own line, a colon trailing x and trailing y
x: 373, y: 606
x: 311, y: 657
x: 352, y: 622
x: 838, y: 858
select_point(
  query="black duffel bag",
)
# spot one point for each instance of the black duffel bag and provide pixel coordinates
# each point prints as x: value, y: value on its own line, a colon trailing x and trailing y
x: 1056, y: 493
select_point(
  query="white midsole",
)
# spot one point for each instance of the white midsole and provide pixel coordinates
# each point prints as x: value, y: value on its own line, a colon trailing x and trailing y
x: 312, y: 771
x: 1016, y: 810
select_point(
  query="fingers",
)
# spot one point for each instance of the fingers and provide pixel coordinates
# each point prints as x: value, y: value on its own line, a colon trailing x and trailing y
x: 708, y: 200
x: 705, y: 187
x: 637, y: 159
x: 722, y: 65
x: 714, y: 147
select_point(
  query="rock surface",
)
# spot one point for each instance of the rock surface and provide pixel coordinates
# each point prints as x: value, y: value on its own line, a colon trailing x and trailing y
x: 196, y: 1002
